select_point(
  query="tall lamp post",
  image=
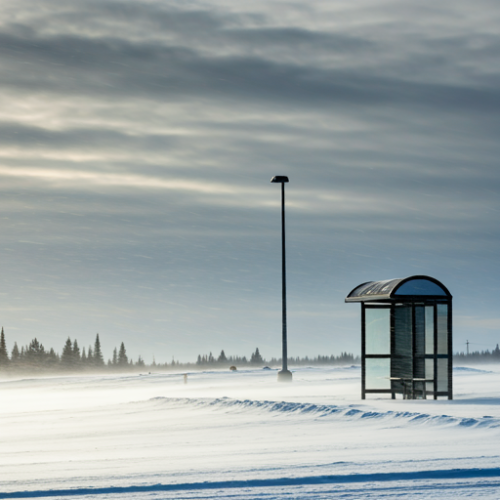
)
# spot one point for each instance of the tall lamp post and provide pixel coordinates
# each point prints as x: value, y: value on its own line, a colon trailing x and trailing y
x: 284, y: 375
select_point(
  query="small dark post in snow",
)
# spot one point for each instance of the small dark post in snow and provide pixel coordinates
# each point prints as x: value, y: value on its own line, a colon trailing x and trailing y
x: 284, y: 375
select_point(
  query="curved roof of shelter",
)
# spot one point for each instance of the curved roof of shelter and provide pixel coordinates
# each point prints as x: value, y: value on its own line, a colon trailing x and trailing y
x: 413, y: 286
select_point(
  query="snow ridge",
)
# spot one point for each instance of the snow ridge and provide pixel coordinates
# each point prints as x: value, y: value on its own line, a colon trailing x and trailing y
x: 330, y: 411
x: 454, y: 474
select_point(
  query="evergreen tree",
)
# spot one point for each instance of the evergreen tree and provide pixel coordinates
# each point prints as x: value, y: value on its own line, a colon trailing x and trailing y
x: 4, y: 355
x: 495, y: 353
x: 122, y: 356
x: 52, y: 358
x: 140, y: 362
x: 15, y: 355
x: 256, y: 358
x: 83, y: 358
x: 35, y: 353
x: 115, y: 357
x: 98, y: 358
x: 76, y: 353
x: 90, y: 357
x: 67, y: 359
x: 222, y: 357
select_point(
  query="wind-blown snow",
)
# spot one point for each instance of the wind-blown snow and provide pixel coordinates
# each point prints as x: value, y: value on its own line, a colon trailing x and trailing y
x: 242, y: 435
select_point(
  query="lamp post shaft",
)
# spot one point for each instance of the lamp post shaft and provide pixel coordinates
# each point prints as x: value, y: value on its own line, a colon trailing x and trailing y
x: 284, y: 375
x: 283, y: 280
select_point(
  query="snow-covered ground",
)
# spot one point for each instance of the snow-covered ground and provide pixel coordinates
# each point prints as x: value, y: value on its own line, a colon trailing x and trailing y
x: 244, y: 436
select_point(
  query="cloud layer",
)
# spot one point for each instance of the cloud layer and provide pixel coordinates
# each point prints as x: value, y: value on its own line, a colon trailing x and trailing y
x: 137, y: 140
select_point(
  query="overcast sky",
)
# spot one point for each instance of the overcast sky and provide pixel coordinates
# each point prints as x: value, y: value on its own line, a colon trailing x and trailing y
x: 138, y: 138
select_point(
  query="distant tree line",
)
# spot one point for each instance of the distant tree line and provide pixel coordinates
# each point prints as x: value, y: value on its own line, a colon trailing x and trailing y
x: 35, y: 357
x: 223, y: 360
x: 256, y: 359
x: 478, y: 356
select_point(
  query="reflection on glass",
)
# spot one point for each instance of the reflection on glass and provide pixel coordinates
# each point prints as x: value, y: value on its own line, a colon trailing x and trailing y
x: 402, y: 365
x: 419, y: 331
x: 377, y: 373
x: 402, y: 331
x: 429, y: 373
x: 442, y: 378
x: 442, y: 329
x: 420, y: 287
x: 429, y: 329
x: 377, y: 330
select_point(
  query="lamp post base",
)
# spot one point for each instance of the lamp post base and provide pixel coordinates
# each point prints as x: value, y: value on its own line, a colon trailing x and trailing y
x: 284, y: 376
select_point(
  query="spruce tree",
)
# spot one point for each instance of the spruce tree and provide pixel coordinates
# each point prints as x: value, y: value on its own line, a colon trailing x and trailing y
x: 122, y: 356
x: 4, y: 355
x: 52, y: 358
x: 76, y: 353
x: 67, y: 359
x: 98, y: 357
x: 222, y: 357
x: 83, y: 358
x: 14, y: 356
x: 115, y: 357
x: 495, y: 353
x: 35, y: 353
x: 256, y: 358
x: 90, y: 357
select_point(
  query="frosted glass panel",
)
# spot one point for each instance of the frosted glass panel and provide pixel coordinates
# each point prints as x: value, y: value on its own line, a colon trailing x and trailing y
x: 377, y: 373
x: 429, y: 330
x: 442, y: 375
x: 377, y: 331
x: 442, y: 328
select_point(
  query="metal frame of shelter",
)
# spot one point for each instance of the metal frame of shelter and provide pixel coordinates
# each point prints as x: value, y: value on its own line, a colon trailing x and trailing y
x: 406, y: 337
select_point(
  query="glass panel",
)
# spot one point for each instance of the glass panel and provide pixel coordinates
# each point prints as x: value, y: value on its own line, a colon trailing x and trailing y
x: 402, y: 365
x: 442, y: 375
x: 442, y: 328
x: 419, y: 331
x: 374, y: 288
x: 429, y: 330
x: 377, y: 330
x: 377, y: 373
x: 429, y: 373
x: 420, y: 287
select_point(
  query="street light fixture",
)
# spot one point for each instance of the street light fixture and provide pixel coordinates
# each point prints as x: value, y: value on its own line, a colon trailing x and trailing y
x: 284, y: 375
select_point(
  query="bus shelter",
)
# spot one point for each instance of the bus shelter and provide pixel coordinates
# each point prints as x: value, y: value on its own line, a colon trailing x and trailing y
x: 406, y: 337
